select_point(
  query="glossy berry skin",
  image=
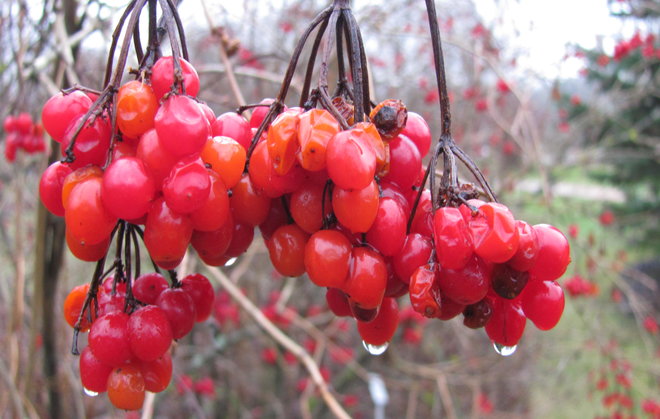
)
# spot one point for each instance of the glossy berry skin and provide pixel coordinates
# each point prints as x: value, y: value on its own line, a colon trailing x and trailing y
x: 188, y: 185
x: 73, y: 304
x: 282, y: 141
x: 423, y: 219
x: 179, y: 308
x: 126, y: 389
x: 388, y: 231
x: 286, y: 249
x: 248, y: 204
x: 266, y: 179
x: 108, y: 339
x: 182, y: 126
x: 356, y: 209
x: 277, y: 217
x: 554, y: 253
x: 149, y: 333
x: 226, y: 157
x: 79, y: 175
x: 415, y: 252
x: 543, y: 303
x: 508, y: 282
x: 234, y: 126
x: 158, y: 161
x: 494, y: 233
x: 405, y: 162
x: 507, y: 323
x: 449, y: 308
x: 528, y: 248
x: 308, y: 208
x: 453, y: 243
x: 327, y: 258
x: 315, y: 129
x: 147, y: 287
x: 259, y: 113
x: 91, y: 144
x: 61, y: 110
x: 166, y: 234
x: 136, y: 107
x: 88, y: 252
x: 381, y: 329
x: 199, y: 288
x: 351, y: 161
x: 418, y: 130
x: 424, y: 291
x: 215, y: 209
x: 477, y: 315
x: 338, y: 302
x: 367, y: 278
x: 127, y: 189
x: 93, y: 373
x: 395, y: 288
x: 467, y: 285
x: 212, y: 245
x: 157, y: 374
x: 86, y: 217
x: 162, y: 77
x: 241, y: 239
x: 50, y: 187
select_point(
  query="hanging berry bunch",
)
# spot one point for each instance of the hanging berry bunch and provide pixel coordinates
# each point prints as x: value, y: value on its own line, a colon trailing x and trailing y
x: 472, y: 256
x: 132, y: 171
x: 336, y: 187
x: 330, y: 183
x: 23, y: 134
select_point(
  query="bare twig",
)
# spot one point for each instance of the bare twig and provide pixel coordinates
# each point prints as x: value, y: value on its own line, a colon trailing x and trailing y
x: 274, y: 332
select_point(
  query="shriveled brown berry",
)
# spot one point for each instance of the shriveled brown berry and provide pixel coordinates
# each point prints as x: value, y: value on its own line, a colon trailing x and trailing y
x: 477, y: 315
x: 508, y: 282
x: 390, y: 118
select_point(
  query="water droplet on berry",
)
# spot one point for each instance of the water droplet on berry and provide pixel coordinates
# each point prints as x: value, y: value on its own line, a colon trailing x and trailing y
x: 230, y: 262
x: 90, y: 393
x: 504, y: 350
x: 375, y: 349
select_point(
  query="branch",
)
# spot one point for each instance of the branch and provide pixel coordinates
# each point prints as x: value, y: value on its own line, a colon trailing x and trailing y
x: 280, y: 337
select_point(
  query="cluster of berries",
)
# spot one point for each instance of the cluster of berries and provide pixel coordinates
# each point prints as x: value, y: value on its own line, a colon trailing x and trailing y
x: 335, y: 204
x: 130, y: 335
x: 23, y: 134
x: 169, y: 169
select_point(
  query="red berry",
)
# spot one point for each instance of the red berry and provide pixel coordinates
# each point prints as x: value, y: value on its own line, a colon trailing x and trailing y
x: 367, y: 278
x: 93, y: 373
x: 380, y: 330
x: 553, y: 255
x: 543, y: 303
x: 179, y: 309
x: 494, y: 233
x: 181, y: 126
x: 424, y: 290
x: 507, y: 323
x: 128, y: 188
x: 108, y: 339
x: 162, y: 77
x: 286, y: 249
x: 452, y: 239
x: 149, y: 333
x: 147, y: 287
x: 126, y: 387
x: 201, y: 291
x: 327, y: 258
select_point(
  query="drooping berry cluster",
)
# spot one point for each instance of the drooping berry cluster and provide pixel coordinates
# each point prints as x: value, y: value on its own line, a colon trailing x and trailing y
x: 496, y: 270
x: 167, y: 173
x: 131, y: 332
x: 23, y: 134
